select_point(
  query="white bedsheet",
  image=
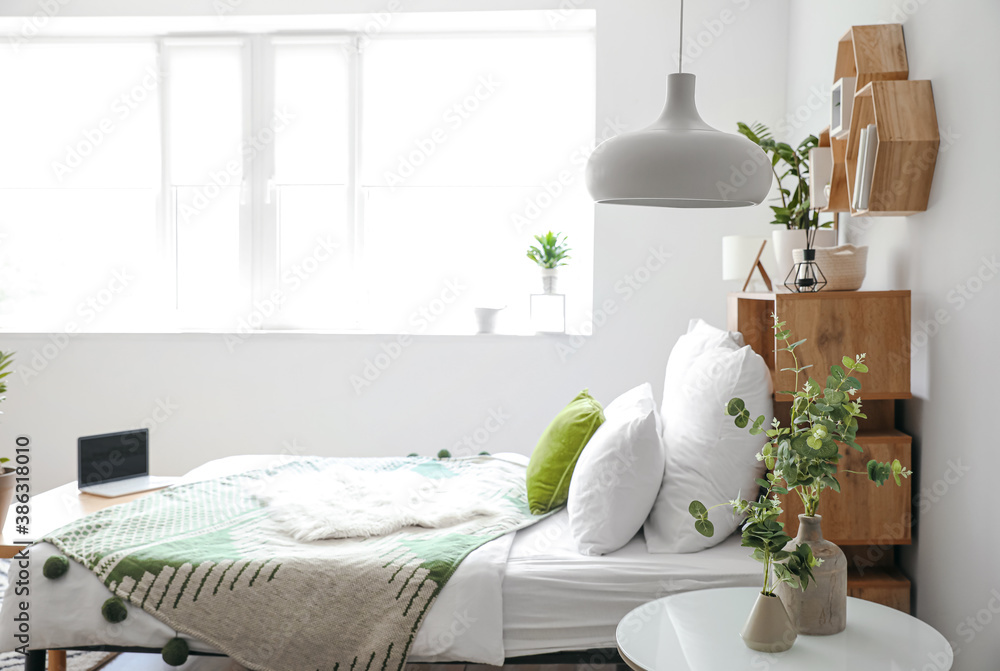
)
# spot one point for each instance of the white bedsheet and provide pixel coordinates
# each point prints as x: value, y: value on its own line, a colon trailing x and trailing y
x: 525, y: 593
x: 555, y: 599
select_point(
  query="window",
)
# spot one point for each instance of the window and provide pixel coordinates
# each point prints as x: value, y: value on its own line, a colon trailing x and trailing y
x: 342, y: 181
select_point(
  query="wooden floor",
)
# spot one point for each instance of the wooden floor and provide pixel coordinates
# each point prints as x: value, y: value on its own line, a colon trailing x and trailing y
x: 140, y: 662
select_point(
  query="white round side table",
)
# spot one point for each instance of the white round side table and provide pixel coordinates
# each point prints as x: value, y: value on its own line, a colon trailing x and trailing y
x: 699, y: 631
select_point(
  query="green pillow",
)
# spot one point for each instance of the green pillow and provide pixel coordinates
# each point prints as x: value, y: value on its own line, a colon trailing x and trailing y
x: 554, y: 458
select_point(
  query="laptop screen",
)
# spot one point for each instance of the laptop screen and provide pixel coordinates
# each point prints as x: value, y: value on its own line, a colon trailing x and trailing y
x: 112, y: 456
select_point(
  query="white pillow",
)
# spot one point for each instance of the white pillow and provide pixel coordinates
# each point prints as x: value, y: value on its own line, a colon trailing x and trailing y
x: 700, y: 338
x: 708, y: 457
x: 617, y: 476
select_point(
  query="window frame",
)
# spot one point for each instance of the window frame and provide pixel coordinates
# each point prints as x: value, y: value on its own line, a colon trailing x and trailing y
x: 259, y: 234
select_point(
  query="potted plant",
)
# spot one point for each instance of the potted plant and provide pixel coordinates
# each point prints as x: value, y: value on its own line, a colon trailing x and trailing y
x: 768, y: 627
x: 550, y: 253
x: 803, y: 458
x: 802, y: 229
x: 7, y: 477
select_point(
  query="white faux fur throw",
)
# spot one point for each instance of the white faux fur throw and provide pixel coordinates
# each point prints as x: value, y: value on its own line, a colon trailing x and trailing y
x: 342, y: 502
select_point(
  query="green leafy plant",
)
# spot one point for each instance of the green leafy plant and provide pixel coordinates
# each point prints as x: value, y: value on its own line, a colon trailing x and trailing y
x: 802, y: 458
x: 551, y: 251
x: 794, y: 212
x: 6, y: 358
x: 766, y: 536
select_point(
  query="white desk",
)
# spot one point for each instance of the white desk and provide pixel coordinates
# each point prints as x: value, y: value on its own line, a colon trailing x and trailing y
x: 700, y: 631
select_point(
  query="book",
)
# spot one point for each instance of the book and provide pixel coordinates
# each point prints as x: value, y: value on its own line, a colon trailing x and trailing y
x: 856, y: 191
x: 871, y: 146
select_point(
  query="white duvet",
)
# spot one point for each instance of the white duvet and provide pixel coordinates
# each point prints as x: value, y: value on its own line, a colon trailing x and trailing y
x: 465, y: 623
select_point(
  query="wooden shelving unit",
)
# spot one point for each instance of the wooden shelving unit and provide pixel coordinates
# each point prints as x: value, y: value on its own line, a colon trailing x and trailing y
x: 908, y: 139
x: 867, y: 521
x: 882, y: 584
x: 872, y: 53
x: 905, y: 123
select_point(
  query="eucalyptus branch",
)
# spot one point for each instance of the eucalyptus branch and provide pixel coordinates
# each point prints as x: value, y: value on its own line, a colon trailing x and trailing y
x: 802, y: 457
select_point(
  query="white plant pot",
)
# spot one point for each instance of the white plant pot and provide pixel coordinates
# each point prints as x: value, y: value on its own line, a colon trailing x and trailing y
x: 550, y: 280
x: 785, y: 241
x: 486, y: 319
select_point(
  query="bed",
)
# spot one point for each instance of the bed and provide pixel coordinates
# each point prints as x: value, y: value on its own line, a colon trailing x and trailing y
x: 525, y: 594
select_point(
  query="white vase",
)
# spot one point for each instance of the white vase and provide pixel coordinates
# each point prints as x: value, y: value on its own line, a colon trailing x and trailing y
x: 785, y: 240
x: 550, y: 280
x: 486, y: 319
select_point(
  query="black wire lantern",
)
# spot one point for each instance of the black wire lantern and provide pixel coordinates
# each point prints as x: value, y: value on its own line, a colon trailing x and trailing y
x: 806, y: 276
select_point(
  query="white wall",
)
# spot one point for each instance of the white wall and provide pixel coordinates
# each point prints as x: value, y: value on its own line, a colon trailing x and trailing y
x: 955, y: 367
x: 283, y: 391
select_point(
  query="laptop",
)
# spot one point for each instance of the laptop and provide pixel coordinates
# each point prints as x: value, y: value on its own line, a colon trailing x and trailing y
x: 116, y: 464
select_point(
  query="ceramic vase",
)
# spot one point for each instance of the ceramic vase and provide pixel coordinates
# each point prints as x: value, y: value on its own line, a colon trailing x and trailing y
x: 820, y: 609
x: 486, y: 319
x: 786, y: 240
x: 768, y: 629
x: 550, y: 280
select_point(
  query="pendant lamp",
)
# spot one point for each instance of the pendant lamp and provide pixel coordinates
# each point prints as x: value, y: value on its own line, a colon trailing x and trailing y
x: 679, y: 160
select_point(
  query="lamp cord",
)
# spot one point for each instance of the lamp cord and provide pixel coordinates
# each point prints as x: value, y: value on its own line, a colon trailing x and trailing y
x: 680, y: 49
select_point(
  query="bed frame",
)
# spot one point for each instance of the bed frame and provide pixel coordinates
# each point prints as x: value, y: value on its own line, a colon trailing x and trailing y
x: 594, y: 658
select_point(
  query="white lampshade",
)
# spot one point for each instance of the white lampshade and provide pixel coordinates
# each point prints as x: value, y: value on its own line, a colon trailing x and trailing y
x: 738, y: 254
x: 679, y: 161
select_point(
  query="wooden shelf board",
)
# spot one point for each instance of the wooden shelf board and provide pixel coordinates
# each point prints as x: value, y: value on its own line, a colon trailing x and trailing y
x: 871, y: 541
x: 884, y: 584
x: 883, y: 436
x: 883, y: 213
x: 887, y: 576
x: 790, y: 295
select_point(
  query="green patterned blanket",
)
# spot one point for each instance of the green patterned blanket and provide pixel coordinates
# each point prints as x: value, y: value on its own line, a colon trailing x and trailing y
x: 206, y: 559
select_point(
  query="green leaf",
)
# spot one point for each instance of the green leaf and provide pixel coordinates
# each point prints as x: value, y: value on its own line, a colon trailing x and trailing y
x: 860, y: 367
x: 849, y: 362
x: 697, y: 509
x: 705, y: 528
x: 735, y: 406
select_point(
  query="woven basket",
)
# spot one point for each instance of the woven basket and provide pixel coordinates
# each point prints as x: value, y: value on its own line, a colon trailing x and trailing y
x: 843, y: 266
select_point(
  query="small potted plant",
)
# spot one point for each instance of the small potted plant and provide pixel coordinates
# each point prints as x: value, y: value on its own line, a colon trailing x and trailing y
x: 769, y: 627
x: 803, y: 458
x: 7, y: 476
x: 800, y: 223
x: 550, y: 253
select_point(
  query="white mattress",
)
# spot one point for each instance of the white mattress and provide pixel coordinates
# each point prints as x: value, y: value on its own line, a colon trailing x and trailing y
x: 555, y: 599
x: 544, y: 598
